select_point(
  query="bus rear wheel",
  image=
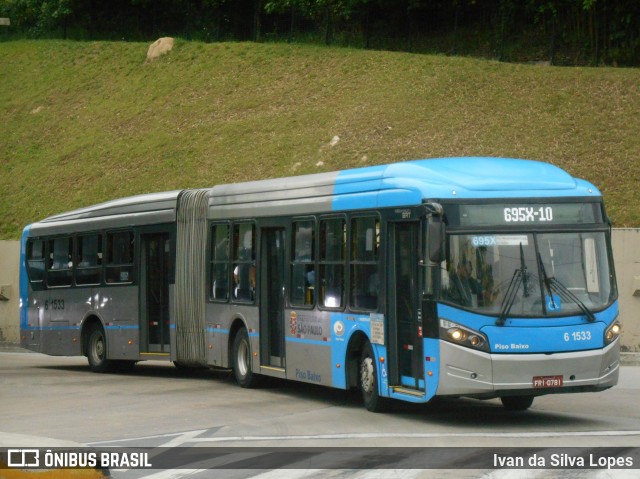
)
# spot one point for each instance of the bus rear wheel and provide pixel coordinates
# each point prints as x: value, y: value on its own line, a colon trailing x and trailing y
x: 242, y: 360
x: 517, y: 403
x: 97, y: 351
x: 368, y: 381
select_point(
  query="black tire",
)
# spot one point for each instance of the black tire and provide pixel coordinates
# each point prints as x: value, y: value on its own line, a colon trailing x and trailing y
x: 241, y: 357
x: 517, y: 403
x: 97, y: 351
x: 368, y: 381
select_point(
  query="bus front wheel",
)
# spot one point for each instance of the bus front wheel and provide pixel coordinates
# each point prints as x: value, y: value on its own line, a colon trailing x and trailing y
x: 97, y: 351
x: 369, y: 382
x: 517, y: 403
x: 242, y: 360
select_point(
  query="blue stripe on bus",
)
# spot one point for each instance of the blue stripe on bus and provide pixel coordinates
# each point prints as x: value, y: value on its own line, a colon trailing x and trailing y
x: 24, y: 281
x: 51, y: 328
x: 217, y: 330
x: 124, y: 326
x: 316, y: 342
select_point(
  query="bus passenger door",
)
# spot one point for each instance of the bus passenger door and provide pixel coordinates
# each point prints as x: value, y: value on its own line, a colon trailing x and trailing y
x: 405, y: 327
x: 272, y: 278
x: 154, y: 292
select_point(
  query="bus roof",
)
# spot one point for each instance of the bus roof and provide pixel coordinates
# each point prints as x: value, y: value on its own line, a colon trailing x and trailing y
x: 146, y: 209
x: 397, y: 184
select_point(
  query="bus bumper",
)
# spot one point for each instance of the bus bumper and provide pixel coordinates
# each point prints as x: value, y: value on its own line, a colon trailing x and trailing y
x: 466, y: 372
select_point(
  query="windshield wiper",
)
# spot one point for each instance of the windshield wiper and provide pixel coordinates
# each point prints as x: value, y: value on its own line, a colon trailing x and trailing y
x: 520, y: 276
x: 547, y: 284
x: 552, y: 284
x: 568, y: 296
x: 510, y: 296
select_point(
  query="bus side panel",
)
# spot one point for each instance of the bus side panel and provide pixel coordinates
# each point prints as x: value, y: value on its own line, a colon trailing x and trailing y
x: 64, y: 310
x: 310, y: 361
x: 220, y: 318
x: 118, y: 307
x: 217, y: 326
x: 32, y: 319
x: 431, y: 349
x: 344, y: 327
x: 308, y: 346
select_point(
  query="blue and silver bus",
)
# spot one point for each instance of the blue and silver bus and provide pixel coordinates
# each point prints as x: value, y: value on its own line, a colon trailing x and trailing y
x: 475, y: 277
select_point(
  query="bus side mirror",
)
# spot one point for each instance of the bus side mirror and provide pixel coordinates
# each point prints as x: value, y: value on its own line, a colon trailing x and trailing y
x: 435, y: 236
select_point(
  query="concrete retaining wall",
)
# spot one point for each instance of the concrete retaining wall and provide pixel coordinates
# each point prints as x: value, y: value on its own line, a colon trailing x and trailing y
x: 9, y: 310
x: 626, y: 250
x: 626, y: 253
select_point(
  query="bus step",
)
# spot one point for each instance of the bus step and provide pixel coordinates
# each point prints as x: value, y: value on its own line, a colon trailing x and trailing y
x: 156, y: 356
x: 405, y: 390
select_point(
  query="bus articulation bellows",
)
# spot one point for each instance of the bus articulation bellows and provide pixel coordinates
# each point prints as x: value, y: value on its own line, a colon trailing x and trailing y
x: 477, y: 277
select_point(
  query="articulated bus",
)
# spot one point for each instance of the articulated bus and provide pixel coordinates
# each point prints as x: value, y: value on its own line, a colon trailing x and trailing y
x: 452, y: 277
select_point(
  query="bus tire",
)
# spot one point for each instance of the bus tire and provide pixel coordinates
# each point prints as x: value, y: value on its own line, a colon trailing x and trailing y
x: 97, y: 351
x: 368, y: 381
x: 242, y: 360
x: 517, y: 403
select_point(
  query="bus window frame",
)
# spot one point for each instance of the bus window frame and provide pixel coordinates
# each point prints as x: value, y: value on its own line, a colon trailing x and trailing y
x: 50, y: 258
x: 376, y: 215
x: 343, y: 263
x: 134, y: 251
x: 314, y: 260
x: 210, y: 261
x: 252, y: 262
x: 40, y: 283
x: 101, y: 267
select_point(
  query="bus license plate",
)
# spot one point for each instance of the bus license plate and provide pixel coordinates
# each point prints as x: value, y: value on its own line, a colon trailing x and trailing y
x: 547, y: 381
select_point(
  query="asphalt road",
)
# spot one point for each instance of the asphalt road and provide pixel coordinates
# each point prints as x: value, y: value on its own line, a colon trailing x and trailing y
x: 46, y: 401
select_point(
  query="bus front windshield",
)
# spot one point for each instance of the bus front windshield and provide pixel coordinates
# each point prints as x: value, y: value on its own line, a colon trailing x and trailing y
x: 528, y: 275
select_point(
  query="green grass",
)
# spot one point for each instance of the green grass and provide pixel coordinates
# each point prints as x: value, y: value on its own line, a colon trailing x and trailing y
x: 87, y: 122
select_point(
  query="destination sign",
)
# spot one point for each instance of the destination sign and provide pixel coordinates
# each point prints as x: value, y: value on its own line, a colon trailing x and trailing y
x: 527, y: 214
x: 523, y: 214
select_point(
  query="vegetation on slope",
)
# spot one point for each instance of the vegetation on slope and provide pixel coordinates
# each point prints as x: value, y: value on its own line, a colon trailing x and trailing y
x: 87, y: 122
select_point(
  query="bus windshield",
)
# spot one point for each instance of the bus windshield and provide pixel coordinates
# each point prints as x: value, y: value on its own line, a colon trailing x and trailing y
x: 528, y: 275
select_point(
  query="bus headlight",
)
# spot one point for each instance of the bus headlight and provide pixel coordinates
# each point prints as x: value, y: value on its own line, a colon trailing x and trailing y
x: 612, y: 332
x: 457, y: 334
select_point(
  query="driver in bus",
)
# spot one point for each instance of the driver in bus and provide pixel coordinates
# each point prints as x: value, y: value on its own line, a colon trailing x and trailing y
x: 466, y: 285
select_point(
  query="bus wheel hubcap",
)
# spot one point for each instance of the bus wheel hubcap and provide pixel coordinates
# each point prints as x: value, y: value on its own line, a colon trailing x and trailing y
x: 98, y: 348
x: 243, y: 358
x: 366, y: 375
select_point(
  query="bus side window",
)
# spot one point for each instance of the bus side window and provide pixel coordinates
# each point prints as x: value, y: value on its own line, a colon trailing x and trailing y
x: 365, y: 246
x: 219, y: 267
x: 60, y: 262
x: 332, y: 247
x: 244, y: 255
x: 303, y: 276
x: 89, y: 260
x: 119, y: 257
x: 35, y: 260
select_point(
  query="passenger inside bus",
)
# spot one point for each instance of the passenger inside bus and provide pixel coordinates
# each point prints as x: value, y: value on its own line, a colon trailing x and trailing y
x: 244, y: 282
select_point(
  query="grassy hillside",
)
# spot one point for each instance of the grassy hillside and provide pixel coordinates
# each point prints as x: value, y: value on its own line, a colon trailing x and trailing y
x: 86, y: 122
